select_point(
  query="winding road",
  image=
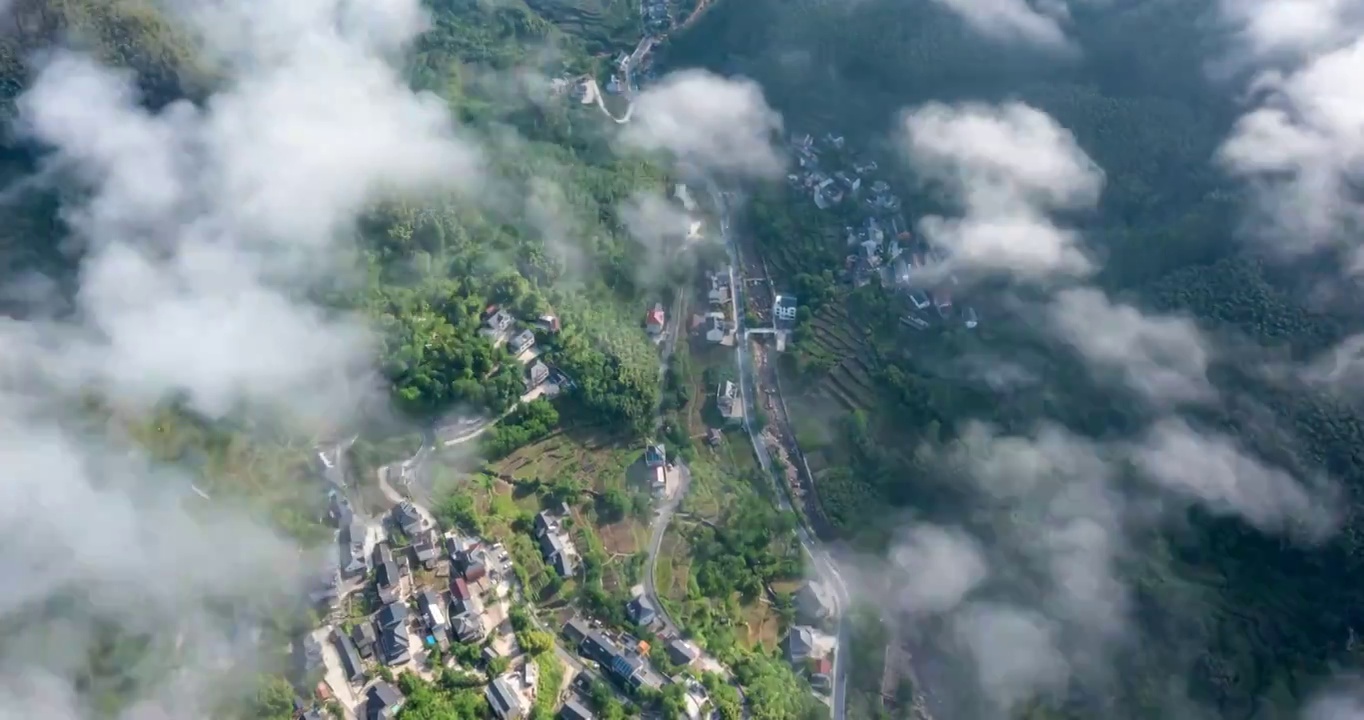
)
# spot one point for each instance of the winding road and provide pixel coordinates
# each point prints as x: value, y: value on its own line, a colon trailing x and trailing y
x: 658, y: 530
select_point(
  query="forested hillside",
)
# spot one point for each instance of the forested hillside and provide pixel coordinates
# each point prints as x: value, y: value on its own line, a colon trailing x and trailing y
x: 1227, y: 622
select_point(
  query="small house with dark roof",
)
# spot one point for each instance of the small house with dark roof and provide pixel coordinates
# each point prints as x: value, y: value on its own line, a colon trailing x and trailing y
x: 576, y: 630
x: 727, y: 401
x: 556, y: 553
x: 406, y: 516
x: 386, y: 576
x: 521, y: 342
x: 815, y: 602
x: 353, y: 550
x: 393, y: 615
x: 626, y: 668
x: 556, y: 549
x: 640, y: 611
x: 548, y: 323
x: 574, y: 710
x: 505, y: 699
x: 497, y: 325
x: 468, y: 628
x: 681, y: 652
x: 462, y: 551
x: 800, y: 644
x: 536, y: 374
x: 655, y: 455
x: 543, y: 523
x: 350, y: 657
x: 393, y: 645
x: 595, y: 646
x: 364, y: 637
x: 382, y: 701
x: 426, y: 549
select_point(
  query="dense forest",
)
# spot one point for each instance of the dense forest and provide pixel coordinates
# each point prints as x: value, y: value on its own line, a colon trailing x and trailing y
x: 1229, y: 622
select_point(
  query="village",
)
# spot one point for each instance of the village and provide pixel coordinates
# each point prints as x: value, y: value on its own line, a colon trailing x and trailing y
x: 402, y: 594
x: 881, y: 246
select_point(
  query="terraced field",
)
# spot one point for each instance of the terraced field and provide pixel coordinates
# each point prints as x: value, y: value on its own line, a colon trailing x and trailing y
x: 848, y: 384
x: 605, y: 26
x: 595, y: 463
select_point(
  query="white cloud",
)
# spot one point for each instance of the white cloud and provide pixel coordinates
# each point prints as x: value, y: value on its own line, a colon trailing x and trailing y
x: 206, y: 226
x: 662, y: 228
x: 1029, y: 579
x: 1037, y: 22
x: 938, y: 568
x: 1287, y: 29
x: 1008, y: 167
x: 709, y: 122
x: 1341, y: 703
x: 1164, y: 358
x: 204, y: 229
x: 1028, y: 586
x: 1014, y: 651
x: 1215, y: 471
x: 1339, y: 369
x: 1302, y: 147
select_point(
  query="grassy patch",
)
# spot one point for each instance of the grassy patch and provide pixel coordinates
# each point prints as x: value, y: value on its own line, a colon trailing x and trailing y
x: 551, y: 681
x: 595, y: 461
x: 762, y: 624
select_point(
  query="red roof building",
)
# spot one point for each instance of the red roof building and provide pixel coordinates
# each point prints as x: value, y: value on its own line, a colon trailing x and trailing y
x: 459, y: 589
x: 655, y: 320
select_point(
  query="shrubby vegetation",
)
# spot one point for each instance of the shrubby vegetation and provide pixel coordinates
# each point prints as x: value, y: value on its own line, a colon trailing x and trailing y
x: 449, y: 697
x: 524, y: 425
x: 751, y: 546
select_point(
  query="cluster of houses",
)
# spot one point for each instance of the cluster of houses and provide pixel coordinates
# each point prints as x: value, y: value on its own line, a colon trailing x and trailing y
x: 717, y: 324
x: 810, y: 646
x: 622, y: 659
x: 500, y: 326
x: 881, y: 247
x: 410, y: 618
x: 681, y: 653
